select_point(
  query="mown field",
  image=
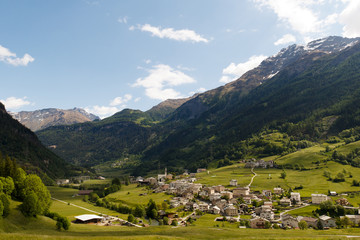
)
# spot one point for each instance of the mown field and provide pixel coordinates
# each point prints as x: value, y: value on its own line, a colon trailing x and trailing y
x: 16, y: 226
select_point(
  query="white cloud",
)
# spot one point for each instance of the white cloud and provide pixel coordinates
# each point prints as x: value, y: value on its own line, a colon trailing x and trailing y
x: 147, y: 61
x: 13, y: 103
x: 234, y: 71
x: 199, y: 90
x: 120, y: 100
x: 350, y: 18
x: 115, y: 105
x: 286, y: 39
x: 161, y: 80
x: 7, y: 56
x: 123, y: 19
x: 178, y: 35
x: 302, y: 16
x: 102, y: 111
x: 296, y: 13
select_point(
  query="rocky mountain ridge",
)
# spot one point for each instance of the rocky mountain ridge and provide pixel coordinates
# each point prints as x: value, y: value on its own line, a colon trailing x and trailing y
x: 44, y: 118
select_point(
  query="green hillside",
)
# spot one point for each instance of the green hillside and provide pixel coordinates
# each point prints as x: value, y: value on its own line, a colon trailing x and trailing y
x: 20, y: 143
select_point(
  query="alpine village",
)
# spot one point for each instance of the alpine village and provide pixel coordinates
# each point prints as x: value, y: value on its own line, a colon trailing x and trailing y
x: 274, y: 154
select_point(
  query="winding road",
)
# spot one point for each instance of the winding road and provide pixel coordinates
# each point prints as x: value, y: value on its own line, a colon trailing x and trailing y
x: 252, y: 179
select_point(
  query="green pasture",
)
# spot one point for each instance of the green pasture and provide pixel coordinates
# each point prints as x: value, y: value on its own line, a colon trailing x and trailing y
x: 130, y: 195
x: 222, y: 176
x: 307, y: 157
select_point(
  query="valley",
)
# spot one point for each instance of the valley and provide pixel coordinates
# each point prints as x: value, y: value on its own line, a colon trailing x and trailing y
x: 274, y: 153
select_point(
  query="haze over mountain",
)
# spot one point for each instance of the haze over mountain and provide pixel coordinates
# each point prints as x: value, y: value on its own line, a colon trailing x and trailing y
x: 295, y: 91
x: 41, y: 119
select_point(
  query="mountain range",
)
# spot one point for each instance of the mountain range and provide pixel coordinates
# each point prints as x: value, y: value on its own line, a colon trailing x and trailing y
x: 308, y: 93
x: 41, y: 119
x: 20, y: 143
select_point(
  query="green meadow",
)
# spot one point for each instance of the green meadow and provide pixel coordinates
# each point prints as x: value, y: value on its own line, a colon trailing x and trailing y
x: 312, y: 180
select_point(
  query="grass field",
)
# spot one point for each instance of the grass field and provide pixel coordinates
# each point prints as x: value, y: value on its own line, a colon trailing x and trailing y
x: 16, y: 226
x: 222, y: 176
x: 130, y: 195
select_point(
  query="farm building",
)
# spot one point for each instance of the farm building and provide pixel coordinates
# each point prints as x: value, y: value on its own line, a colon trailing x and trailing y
x: 88, y: 218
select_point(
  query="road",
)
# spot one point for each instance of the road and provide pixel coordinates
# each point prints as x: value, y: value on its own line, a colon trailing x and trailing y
x: 252, y: 179
x: 89, y: 210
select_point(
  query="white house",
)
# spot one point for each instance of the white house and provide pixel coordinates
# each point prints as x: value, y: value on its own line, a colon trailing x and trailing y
x: 233, y: 182
x: 318, y: 198
x: 327, y: 221
x: 295, y: 196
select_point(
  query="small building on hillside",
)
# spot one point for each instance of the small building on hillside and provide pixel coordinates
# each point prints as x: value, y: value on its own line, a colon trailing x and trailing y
x: 62, y: 181
x: 219, y: 188
x: 285, y: 201
x: 318, y: 198
x: 233, y: 182
x: 289, y: 221
x: 327, y: 222
x: 343, y: 202
x: 311, y: 222
x: 88, y: 218
x: 258, y: 222
x: 295, y: 196
x: 278, y: 191
x: 85, y: 192
x: 231, y: 211
x: 241, y: 192
x: 355, y: 219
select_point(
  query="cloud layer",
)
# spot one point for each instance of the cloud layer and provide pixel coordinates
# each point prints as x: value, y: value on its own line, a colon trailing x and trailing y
x: 9, y: 57
x: 115, y: 105
x: 286, y: 39
x: 13, y: 103
x: 183, y: 35
x: 161, y: 80
x: 349, y: 17
x: 234, y: 71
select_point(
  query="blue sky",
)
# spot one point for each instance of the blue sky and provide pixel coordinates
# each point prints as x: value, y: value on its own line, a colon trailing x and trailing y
x: 106, y: 55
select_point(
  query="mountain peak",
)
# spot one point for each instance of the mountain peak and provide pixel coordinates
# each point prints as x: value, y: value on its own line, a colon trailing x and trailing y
x: 40, y: 119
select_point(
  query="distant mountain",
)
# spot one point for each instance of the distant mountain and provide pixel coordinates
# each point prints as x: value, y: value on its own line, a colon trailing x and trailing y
x: 307, y: 92
x: 41, y: 119
x: 19, y: 142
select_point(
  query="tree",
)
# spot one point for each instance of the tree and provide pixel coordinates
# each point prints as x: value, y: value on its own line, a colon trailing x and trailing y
x: 30, y: 206
x: 1, y: 208
x: 346, y: 222
x: 166, y: 220
x: 8, y: 185
x: 319, y: 225
x: 116, y: 181
x: 303, y: 225
x: 283, y: 175
x: 149, y: 209
x: 62, y: 222
x: 267, y: 224
x: 131, y: 218
x: 4, y: 199
x: 139, y: 211
x: 37, y: 197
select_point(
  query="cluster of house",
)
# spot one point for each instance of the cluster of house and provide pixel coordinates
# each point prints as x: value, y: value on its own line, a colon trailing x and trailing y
x: 253, y: 163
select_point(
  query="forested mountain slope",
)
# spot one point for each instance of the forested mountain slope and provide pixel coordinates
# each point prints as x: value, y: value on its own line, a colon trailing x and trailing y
x: 307, y: 92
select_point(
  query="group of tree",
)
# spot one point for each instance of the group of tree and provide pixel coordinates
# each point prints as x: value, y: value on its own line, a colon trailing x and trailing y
x: 16, y: 184
x: 333, y: 210
x: 339, y: 177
